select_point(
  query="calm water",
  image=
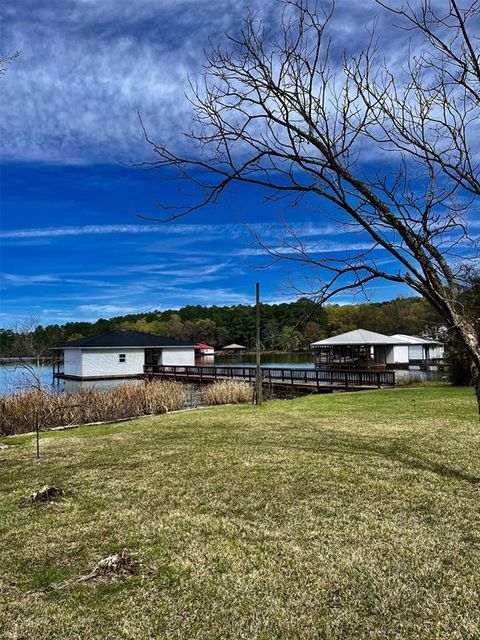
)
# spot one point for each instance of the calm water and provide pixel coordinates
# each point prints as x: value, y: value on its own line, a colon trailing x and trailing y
x: 14, y: 378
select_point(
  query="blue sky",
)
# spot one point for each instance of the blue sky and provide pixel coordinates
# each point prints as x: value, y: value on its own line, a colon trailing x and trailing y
x: 73, y: 246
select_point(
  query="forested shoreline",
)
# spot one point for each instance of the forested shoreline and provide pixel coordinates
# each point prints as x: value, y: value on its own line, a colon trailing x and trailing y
x: 285, y: 327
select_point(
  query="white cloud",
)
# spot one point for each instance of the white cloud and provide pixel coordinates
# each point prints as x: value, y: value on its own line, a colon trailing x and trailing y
x: 223, y: 230
x: 30, y: 279
x: 311, y: 248
x: 86, y: 67
x: 96, y: 309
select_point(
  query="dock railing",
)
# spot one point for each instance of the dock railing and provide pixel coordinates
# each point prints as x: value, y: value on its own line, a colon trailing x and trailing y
x: 296, y: 377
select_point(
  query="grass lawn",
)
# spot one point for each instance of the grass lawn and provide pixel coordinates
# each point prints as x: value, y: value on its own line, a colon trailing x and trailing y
x: 347, y: 516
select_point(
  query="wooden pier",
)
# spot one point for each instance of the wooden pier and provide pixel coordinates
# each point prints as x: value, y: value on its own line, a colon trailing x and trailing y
x: 319, y: 380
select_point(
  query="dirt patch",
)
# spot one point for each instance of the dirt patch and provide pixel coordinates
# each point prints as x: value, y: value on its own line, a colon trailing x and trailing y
x: 44, y: 496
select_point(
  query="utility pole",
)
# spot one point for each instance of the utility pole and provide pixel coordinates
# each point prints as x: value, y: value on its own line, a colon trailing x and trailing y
x: 258, y: 370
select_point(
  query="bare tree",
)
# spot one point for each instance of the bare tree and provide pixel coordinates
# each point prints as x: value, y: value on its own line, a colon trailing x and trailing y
x: 31, y: 352
x: 287, y: 115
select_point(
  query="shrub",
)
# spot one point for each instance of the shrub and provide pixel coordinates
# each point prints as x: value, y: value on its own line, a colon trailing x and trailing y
x: 226, y: 392
x: 17, y: 411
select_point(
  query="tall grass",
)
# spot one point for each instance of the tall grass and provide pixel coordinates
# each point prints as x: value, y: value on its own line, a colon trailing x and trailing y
x: 18, y: 411
x: 226, y: 392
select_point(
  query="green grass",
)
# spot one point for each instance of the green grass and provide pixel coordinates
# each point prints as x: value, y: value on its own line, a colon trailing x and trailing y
x: 348, y: 516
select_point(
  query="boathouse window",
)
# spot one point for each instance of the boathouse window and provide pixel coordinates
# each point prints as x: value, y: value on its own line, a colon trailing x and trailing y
x: 122, y: 357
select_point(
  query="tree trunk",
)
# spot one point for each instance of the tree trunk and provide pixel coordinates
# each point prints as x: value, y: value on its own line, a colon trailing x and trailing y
x: 468, y: 335
x: 476, y: 384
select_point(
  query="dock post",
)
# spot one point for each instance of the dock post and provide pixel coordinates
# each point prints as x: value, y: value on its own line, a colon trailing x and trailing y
x: 258, y: 370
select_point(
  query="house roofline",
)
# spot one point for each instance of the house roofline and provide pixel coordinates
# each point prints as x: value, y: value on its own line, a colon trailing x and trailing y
x: 147, y: 346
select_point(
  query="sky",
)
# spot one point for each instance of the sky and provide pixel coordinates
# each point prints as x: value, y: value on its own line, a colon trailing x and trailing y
x: 73, y: 243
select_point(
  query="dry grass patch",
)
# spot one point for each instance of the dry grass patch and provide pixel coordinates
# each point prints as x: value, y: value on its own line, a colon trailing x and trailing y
x: 226, y: 392
x: 17, y: 413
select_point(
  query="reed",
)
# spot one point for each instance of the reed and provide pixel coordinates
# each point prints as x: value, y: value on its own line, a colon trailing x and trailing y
x: 18, y: 411
x: 226, y: 392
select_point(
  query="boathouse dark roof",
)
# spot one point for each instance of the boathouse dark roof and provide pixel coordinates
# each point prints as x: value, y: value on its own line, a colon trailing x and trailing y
x: 122, y: 338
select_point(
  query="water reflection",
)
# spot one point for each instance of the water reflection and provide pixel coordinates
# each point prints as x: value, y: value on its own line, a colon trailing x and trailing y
x: 16, y: 378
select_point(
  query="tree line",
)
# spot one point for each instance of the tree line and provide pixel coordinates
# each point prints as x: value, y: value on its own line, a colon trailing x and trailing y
x: 285, y: 327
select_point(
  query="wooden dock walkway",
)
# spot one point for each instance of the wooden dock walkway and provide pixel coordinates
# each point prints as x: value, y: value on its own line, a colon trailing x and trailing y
x: 320, y: 380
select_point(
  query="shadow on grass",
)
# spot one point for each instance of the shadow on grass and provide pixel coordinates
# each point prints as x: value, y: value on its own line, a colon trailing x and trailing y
x: 397, y: 452
x: 403, y: 455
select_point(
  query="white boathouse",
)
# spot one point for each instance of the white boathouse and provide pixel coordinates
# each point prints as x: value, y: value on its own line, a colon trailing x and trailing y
x: 119, y: 354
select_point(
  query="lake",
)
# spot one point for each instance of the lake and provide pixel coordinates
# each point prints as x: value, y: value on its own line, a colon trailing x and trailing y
x: 14, y: 378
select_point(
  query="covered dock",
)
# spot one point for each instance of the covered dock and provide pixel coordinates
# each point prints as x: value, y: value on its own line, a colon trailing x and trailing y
x: 233, y: 349
x: 361, y: 349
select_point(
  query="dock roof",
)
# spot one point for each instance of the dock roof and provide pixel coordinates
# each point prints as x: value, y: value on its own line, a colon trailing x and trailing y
x: 358, y: 337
